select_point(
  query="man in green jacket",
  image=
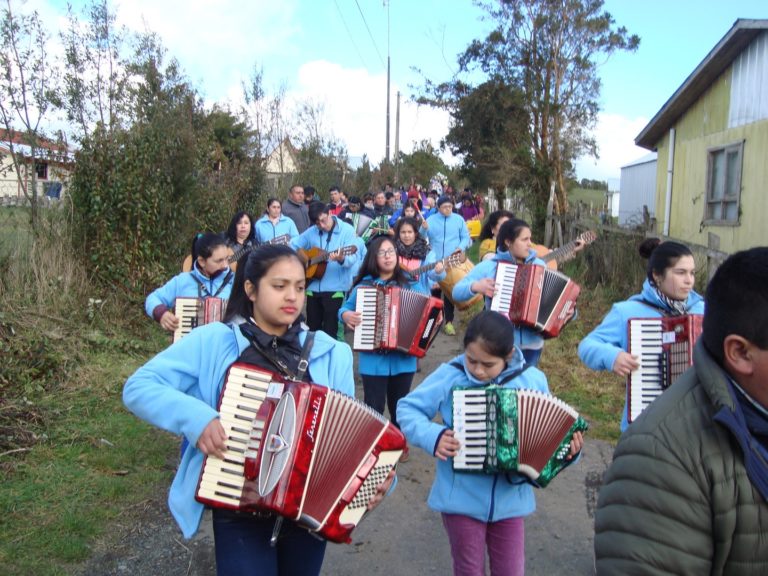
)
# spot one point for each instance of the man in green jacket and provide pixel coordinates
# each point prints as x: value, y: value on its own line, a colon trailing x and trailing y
x: 687, y: 492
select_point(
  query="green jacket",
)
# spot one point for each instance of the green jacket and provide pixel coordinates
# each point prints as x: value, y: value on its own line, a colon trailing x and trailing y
x: 677, y: 498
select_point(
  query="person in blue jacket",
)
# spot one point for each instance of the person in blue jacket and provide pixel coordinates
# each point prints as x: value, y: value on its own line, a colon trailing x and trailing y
x: 667, y: 291
x: 274, y: 224
x: 478, y: 510
x: 178, y: 390
x: 513, y: 245
x: 210, y: 276
x: 325, y: 295
x: 386, y: 374
x: 413, y: 252
x: 447, y: 232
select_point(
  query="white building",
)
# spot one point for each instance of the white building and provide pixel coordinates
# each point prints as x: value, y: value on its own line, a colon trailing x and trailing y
x: 637, y: 190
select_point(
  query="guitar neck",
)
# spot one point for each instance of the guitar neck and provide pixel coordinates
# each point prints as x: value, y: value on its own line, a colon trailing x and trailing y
x: 562, y: 254
x: 427, y: 267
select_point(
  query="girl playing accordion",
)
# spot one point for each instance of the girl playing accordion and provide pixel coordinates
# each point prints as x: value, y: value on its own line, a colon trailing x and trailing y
x: 478, y: 510
x: 179, y: 389
x: 667, y: 291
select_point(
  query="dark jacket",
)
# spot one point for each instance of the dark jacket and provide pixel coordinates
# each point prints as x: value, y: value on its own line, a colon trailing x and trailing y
x: 678, y: 498
x: 298, y: 213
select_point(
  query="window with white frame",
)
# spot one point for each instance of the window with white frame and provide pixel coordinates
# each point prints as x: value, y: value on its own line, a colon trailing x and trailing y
x: 724, y: 184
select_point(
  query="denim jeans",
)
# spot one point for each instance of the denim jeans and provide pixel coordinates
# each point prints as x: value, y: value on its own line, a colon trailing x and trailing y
x: 243, y: 548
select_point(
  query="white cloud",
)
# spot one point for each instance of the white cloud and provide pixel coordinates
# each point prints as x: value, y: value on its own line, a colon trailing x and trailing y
x: 615, y: 136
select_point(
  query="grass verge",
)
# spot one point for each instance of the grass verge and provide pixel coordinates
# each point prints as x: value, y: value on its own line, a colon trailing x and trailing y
x: 92, y: 461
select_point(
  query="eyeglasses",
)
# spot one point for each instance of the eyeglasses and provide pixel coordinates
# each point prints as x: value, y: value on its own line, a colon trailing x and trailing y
x: 383, y: 253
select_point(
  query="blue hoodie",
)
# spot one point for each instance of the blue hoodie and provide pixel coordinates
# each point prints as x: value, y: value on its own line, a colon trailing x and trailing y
x: 188, y: 285
x: 446, y: 234
x: 525, y: 338
x: 484, y: 497
x: 266, y: 231
x: 338, y: 276
x: 599, y: 349
x: 386, y: 363
x: 178, y: 390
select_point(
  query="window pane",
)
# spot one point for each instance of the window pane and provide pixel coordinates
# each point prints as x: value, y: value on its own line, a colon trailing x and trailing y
x: 715, y: 211
x: 732, y: 172
x: 731, y: 212
x: 716, y: 178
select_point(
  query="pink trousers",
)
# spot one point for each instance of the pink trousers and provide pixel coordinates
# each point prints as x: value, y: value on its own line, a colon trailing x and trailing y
x: 468, y: 538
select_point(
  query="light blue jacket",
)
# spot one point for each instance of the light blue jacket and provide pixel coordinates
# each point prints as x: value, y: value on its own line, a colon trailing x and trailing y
x: 525, y: 338
x: 178, y: 390
x: 484, y: 497
x: 599, y: 349
x: 447, y: 234
x: 386, y: 363
x: 338, y: 276
x: 266, y: 231
x: 186, y: 285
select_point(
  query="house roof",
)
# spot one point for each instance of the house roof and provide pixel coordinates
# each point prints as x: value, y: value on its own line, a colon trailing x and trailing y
x: 716, y: 62
x: 46, y: 149
x: 650, y: 157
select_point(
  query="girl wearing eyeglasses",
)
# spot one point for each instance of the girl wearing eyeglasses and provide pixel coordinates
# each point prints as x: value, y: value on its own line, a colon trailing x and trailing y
x: 386, y: 374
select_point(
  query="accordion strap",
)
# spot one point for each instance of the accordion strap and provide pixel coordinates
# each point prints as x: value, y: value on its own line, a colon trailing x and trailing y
x: 281, y: 366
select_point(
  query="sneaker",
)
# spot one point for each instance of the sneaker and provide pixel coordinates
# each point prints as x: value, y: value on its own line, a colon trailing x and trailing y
x: 405, y: 456
x: 449, y: 329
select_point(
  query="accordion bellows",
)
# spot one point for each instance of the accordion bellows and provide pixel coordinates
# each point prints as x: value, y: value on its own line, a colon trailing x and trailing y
x: 510, y: 430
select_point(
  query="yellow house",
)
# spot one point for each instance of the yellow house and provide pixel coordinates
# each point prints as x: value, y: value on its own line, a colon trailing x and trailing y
x: 281, y: 165
x: 712, y: 142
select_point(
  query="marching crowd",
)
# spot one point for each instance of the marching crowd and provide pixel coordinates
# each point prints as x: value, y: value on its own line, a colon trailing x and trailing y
x: 686, y: 493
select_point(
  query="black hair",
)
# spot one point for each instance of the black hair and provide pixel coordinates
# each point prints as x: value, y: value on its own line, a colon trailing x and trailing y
x: 389, y: 195
x: 334, y: 188
x: 232, y: 228
x: 269, y: 202
x: 315, y: 210
x: 486, y: 231
x: 405, y: 220
x: 309, y: 190
x: 367, y: 196
x: 509, y: 231
x: 737, y: 301
x: 493, y: 331
x: 370, y: 265
x: 661, y: 255
x: 354, y: 200
x: 254, y: 268
x: 205, y: 243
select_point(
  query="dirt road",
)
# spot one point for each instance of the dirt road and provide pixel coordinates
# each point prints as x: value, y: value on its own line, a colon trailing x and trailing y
x: 402, y: 537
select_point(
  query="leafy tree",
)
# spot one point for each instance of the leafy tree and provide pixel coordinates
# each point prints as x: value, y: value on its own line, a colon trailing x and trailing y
x: 28, y: 88
x: 549, y: 50
x: 421, y: 164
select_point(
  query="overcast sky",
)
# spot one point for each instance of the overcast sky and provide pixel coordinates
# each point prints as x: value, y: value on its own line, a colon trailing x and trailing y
x: 335, y: 52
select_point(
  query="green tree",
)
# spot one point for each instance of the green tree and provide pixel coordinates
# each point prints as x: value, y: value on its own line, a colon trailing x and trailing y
x: 28, y: 88
x: 421, y: 164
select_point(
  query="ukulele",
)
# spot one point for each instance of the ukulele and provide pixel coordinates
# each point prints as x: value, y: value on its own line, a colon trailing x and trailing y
x: 317, y: 260
x: 559, y: 255
x: 450, y: 261
x: 236, y: 254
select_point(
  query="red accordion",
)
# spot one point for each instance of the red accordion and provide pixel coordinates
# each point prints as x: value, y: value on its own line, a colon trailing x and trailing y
x: 534, y: 296
x: 302, y: 451
x: 665, y: 348
x: 194, y: 312
x: 394, y: 318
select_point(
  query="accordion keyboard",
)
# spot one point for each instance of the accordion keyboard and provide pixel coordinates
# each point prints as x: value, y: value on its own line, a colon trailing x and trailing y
x: 222, y: 480
x: 645, y: 383
x: 470, y: 427
x: 187, y: 310
x: 365, y: 333
x: 505, y: 284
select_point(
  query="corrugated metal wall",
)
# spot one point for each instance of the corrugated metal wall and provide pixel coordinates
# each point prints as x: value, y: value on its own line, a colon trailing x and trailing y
x: 749, y: 84
x: 638, y: 189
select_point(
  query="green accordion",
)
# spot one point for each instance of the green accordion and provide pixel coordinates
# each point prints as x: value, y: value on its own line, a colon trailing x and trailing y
x: 511, y: 430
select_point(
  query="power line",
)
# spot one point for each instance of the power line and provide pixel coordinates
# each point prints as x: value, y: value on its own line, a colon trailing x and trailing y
x: 341, y: 15
x: 370, y: 34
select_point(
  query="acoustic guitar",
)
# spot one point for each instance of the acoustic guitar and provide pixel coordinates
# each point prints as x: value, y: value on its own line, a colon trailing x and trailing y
x: 317, y: 260
x: 234, y: 255
x: 450, y: 261
x: 555, y: 257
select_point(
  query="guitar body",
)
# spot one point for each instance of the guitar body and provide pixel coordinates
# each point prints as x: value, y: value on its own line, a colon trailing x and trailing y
x: 317, y: 260
x: 315, y: 270
x: 541, y: 252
